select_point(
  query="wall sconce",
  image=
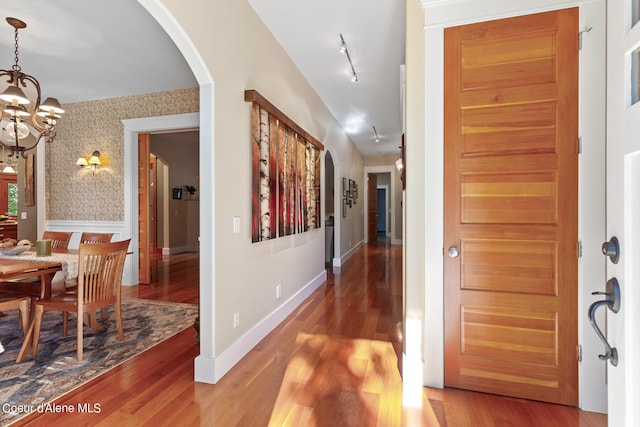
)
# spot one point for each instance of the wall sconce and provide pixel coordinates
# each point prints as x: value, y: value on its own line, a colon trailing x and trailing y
x: 92, y: 163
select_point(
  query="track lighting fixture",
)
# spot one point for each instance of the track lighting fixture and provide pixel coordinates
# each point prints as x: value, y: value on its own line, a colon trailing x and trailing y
x: 345, y: 50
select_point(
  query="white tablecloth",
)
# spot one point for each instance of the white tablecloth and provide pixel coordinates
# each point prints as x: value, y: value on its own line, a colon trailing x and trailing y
x: 69, y: 261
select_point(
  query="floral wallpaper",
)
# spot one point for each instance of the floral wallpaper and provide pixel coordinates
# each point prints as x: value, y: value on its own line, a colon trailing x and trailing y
x: 73, y: 194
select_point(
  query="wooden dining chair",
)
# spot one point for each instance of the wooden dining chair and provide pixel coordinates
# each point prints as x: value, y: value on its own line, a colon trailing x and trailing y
x: 100, y: 270
x: 59, y: 239
x: 87, y: 237
x: 12, y: 301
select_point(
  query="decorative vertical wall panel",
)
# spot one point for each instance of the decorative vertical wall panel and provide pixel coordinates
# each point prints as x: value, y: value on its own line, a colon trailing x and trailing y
x: 301, y: 186
x: 316, y: 185
x: 255, y: 173
x: 291, y: 171
x: 285, y: 174
x: 309, y: 171
x: 313, y: 186
x: 273, y: 176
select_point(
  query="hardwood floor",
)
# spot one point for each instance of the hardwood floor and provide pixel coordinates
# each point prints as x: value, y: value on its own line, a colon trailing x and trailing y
x: 332, y: 362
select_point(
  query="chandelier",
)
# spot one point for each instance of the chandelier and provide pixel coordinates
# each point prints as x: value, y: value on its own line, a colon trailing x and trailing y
x: 25, y: 121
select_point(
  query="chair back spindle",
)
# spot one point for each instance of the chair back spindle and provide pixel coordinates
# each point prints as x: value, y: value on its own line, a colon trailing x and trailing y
x: 59, y: 239
x: 88, y: 237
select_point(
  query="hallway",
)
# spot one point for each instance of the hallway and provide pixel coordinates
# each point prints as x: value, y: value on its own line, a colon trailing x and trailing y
x: 333, y: 361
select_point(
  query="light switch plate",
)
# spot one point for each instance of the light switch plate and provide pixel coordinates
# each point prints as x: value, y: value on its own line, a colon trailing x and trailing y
x: 23, y: 215
x: 236, y: 224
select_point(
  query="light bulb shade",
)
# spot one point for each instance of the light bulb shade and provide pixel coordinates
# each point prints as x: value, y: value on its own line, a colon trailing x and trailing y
x: 51, y: 105
x: 16, y: 111
x: 8, y: 169
x: 16, y: 128
x: 47, y: 114
x: 14, y: 94
x: 94, y: 160
x: 82, y: 162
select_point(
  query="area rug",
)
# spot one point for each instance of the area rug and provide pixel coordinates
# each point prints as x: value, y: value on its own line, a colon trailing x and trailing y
x: 56, y: 370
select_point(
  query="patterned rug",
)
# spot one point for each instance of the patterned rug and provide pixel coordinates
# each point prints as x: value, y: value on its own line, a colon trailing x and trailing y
x: 56, y: 371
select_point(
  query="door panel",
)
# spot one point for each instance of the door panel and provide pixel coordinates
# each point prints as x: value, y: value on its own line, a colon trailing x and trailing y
x: 511, y: 206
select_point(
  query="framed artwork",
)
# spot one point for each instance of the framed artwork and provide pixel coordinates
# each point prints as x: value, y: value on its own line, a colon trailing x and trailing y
x: 177, y: 193
x: 344, y: 207
x: 285, y: 172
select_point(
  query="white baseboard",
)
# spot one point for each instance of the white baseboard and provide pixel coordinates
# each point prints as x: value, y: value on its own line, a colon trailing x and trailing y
x: 212, y: 370
x: 338, y: 261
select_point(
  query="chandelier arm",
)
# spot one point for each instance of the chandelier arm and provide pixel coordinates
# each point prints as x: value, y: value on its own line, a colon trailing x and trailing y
x: 16, y: 149
x: 40, y: 127
x: 43, y: 122
x: 7, y: 73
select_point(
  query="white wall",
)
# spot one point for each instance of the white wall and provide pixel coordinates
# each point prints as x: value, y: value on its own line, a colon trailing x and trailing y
x: 239, y: 53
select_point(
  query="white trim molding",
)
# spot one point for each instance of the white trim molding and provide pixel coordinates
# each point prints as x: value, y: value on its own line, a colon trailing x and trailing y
x: 448, y: 13
x: 243, y: 345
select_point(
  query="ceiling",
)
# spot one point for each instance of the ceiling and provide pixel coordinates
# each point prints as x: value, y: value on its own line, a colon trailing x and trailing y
x: 82, y: 50
x: 309, y: 31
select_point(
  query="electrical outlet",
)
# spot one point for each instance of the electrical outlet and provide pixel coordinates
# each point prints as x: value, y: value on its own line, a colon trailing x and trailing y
x: 278, y: 291
x: 236, y: 319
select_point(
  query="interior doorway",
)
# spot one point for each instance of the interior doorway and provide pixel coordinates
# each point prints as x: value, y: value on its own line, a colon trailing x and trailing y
x: 168, y: 208
x: 329, y: 209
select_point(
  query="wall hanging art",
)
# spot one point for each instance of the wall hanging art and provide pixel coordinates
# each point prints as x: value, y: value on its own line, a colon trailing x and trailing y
x: 285, y: 169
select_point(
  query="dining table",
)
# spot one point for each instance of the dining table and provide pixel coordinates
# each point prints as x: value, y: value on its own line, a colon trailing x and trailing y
x: 59, y: 266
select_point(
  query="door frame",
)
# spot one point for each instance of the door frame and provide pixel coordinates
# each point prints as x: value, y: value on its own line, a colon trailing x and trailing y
x: 429, y: 187
x: 391, y: 169
x: 131, y: 129
x: 387, y: 210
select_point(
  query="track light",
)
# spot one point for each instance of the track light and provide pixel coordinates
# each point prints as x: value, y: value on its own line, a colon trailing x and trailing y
x: 343, y: 49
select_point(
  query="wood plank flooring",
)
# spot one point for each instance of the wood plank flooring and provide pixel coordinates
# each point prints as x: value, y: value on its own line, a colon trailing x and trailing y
x: 332, y: 362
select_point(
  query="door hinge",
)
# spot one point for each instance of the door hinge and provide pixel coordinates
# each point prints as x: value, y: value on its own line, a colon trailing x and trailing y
x: 580, y: 145
x: 586, y: 30
x: 579, y: 352
x: 579, y: 248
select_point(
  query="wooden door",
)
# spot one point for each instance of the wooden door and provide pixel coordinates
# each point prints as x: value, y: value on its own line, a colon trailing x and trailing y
x: 144, y: 238
x: 511, y: 181
x: 372, y: 207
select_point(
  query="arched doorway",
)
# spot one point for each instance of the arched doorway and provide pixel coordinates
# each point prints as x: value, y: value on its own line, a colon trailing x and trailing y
x: 329, y: 209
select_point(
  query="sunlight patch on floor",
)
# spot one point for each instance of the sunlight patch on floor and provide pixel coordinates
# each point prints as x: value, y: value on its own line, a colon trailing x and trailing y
x: 339, y: 381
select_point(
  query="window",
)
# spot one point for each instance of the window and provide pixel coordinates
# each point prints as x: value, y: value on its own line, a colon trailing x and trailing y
x: 12, y: 199
x: 9, y: 194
